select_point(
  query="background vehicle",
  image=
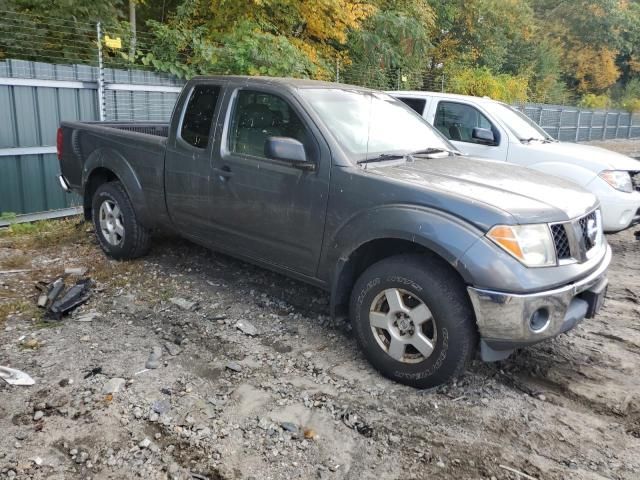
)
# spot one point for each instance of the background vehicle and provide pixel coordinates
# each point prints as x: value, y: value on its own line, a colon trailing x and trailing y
x: 484, y: 128
x: 430, y: 253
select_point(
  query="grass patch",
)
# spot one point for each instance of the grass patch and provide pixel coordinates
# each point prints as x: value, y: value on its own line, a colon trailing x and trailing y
x: 44, y: 233
x: 16, y: 261
x: 19, y: 307
x: 115, y: 273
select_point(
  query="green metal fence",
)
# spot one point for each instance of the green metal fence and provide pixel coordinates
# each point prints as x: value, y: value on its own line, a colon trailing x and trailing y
x: 35, y: 97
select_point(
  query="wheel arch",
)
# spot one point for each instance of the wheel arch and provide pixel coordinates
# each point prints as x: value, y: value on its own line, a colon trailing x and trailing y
x: 389, y: 230
x: 351, y: 266
x: 107, y: 165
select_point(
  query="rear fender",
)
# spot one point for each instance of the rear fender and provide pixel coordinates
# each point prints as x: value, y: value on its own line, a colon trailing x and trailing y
x: 114, y: 161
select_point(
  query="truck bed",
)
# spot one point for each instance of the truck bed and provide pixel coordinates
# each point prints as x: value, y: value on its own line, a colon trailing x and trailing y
x: 134, y: 151
x: 149, y: 128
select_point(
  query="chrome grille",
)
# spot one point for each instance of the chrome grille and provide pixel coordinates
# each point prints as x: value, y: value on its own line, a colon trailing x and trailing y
x: 635, y: 179
x: 561, y: 241
x: 574, y: 240
x: 584, y: 229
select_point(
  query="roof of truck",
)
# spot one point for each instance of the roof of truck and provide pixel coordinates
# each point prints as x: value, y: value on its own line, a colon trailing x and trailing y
x: 423, y: 94
x: 289, y: 82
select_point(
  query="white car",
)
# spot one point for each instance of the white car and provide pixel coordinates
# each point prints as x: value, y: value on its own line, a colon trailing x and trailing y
x: 485, y: 128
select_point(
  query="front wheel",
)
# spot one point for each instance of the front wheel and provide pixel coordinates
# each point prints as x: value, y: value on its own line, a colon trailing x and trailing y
x: 119, y: 233
x: 413, y: 319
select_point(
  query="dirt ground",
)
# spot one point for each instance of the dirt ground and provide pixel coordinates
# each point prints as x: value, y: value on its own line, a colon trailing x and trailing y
x: 290, y: 398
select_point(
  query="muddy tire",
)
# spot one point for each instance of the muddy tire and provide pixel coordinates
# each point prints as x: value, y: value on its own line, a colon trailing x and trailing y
x: 414, y: 321
x: 119, y: 233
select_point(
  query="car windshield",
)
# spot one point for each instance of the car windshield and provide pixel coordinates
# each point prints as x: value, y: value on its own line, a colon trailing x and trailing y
x: 370, y: 124
x: 522, y: 126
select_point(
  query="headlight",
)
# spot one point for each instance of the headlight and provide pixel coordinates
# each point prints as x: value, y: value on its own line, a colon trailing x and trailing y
x: 618, y: 179
x: 531, y: 244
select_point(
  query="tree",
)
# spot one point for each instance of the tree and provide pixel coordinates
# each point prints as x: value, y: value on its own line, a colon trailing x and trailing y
x: 392, y: 45
x: 285, y: 37
x: 591, y: 36
x: 65, y: 30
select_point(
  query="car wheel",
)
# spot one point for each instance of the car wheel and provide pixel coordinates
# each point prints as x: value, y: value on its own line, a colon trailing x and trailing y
x: 119, y: 233
x: 414, y: 321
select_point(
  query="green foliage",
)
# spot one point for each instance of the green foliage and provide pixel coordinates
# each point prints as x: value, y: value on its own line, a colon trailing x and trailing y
x: 629, y: 96
x: 389, y: 50
x: 482, y: 82
x: 251, y: 51
x: 57, y: 31
x: 592, y: 100
x: 543, y: 50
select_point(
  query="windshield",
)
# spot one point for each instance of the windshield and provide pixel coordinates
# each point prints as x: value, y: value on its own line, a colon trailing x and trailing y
x: 368, y: 124
x: 522, y: 126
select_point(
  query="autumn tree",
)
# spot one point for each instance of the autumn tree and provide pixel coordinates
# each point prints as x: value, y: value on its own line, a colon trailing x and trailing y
x: 268, y: 37
x: 392, y: 47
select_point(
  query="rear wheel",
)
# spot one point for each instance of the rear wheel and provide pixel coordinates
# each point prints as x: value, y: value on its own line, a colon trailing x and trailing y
x: 413, y: 319
x: 119, y: 233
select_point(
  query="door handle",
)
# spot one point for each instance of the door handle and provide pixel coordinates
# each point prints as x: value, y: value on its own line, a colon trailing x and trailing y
x: 223, y: 172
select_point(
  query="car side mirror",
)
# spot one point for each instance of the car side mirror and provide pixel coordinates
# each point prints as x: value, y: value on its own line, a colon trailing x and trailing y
x: 288, y: 150
x: 483, y: 135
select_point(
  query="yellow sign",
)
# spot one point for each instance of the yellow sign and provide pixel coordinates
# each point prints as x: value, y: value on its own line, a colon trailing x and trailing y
x: 112, y: 42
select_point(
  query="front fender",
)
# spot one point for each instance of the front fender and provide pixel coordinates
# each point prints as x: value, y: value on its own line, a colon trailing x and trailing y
x: 574, y: 173
x: 114, y: 161
x: 446, y: 235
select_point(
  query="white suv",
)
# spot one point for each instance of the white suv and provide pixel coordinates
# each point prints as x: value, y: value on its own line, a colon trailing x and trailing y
x: 485, y: 128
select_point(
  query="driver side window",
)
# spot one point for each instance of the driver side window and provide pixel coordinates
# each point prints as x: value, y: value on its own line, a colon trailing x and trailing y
x: 456, y: 121
x: 259, y: 115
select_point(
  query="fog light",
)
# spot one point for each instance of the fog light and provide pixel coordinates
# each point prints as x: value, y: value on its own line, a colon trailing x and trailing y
x: 539, y: 320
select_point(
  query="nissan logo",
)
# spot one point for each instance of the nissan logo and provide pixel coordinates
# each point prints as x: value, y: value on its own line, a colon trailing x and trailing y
x: 592, y: 231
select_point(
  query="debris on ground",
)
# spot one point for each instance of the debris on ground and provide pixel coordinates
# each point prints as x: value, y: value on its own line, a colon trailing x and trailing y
x: 351, y: 420
x: 72, y: 298
x: 77, y: 271
x: 87, y: 317
x: 113, y: 386
x: 184, y: 303
x: 154, y: 358
x: 234, y: 366
x: 246, y: 328
x: 15, y: 377
x: 172, y: 348
x: 93, y: 372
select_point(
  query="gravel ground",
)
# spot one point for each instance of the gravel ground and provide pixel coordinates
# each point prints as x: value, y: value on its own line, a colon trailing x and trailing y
x: 630, y: 147
x: 254, y: 381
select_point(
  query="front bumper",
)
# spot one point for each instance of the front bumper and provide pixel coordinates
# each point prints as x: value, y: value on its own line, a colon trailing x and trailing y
x: 619, y: 209
x: 505, y: 319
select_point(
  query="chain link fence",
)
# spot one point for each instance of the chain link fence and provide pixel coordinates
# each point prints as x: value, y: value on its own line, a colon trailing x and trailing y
x: 53, y: 70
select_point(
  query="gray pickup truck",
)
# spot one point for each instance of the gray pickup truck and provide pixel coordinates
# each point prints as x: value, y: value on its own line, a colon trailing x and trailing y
x: 434, y: 256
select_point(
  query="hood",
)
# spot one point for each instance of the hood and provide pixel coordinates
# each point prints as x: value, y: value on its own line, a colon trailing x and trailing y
x: 595, y: 159
x: 527, y: 195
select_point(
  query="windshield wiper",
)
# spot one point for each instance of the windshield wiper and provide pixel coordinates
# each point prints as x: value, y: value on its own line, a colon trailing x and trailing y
x: 382, y: 158
x: 531, y: 139
x: 429, y: 151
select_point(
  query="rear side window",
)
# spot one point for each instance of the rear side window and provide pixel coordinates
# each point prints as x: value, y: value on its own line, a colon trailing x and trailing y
x: 416, y: 103
x: 198, y: 117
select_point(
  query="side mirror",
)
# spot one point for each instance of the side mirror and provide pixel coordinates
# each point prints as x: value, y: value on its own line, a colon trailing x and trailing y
x: 288, y: 150
x: 483, y: 135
